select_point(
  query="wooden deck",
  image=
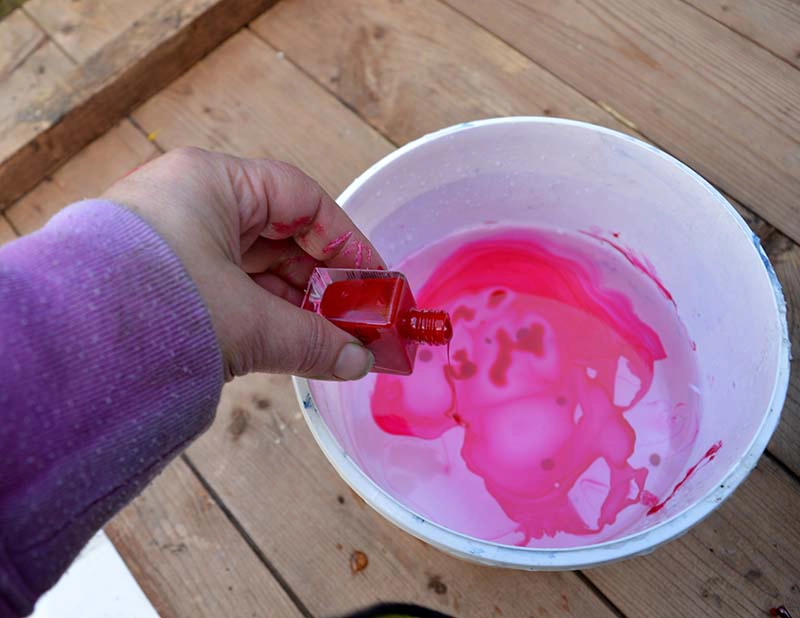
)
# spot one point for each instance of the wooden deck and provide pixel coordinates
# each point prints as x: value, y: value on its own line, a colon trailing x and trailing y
x: 253, y: 521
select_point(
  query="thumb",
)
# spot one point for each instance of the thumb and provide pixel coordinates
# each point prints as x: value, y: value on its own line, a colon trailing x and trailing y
x: 286, y: 339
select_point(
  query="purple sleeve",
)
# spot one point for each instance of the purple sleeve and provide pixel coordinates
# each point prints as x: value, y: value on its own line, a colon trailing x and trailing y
x: 109, y: 367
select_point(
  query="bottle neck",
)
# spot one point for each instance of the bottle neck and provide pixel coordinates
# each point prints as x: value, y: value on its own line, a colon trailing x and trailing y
x: 428, y: 326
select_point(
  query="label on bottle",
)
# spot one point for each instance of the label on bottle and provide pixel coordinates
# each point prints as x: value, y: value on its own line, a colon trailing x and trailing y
x: 371, y: 274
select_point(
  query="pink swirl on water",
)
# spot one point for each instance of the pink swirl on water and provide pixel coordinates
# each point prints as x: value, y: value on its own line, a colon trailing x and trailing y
x: 545, y: 363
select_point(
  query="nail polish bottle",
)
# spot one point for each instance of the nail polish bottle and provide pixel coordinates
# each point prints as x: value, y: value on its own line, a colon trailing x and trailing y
x: 377, y: 307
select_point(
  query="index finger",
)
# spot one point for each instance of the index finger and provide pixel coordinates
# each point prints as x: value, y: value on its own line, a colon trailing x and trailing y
x: 297, y: 207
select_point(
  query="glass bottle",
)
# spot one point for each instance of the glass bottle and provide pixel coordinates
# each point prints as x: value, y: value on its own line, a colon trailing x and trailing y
x: 378, y: 308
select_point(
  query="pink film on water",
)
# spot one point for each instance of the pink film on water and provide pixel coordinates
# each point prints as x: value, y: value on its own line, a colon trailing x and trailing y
x: 568, y: 407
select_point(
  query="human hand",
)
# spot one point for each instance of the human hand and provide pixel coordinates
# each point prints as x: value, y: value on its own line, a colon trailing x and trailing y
x: 249, y: 232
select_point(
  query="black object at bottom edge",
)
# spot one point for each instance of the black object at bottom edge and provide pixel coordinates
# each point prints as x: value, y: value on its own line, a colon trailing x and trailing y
x: 397, y: 609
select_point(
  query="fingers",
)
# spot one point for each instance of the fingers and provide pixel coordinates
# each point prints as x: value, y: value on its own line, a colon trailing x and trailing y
x: 279, y: 287
x: 283, y: 338
x: 286, y: 203
x: 263, y: 254
x: 281, y: 257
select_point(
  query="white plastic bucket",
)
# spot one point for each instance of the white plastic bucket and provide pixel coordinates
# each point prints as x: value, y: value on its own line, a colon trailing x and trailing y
x: 573, y: 176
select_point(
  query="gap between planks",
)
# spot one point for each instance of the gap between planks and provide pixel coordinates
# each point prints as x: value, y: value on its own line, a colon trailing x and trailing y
x: 10, y: 224
x: 763, y: 32
x: 259, y: 553
x: 48, y: 37
x: 188, y: 558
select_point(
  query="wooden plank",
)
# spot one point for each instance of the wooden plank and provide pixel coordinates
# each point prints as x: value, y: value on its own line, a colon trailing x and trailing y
x: 262, y: 108
x: 741, y: 561
x: 258, y: 455
x: 156, y: 48
x: 19, y: 38
x: 263, y: 462
x: 43, y: 74
x: 459, y: 72
x: 708, y: 95
x: 785, y: 257
x: 87, y: 174
x: 81, y: 28
x: 773, y: 24
x: 7, y: 233
x: 173, y: 527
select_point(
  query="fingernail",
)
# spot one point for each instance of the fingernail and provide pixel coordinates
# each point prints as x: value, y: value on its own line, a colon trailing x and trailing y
x: 354, y: 362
